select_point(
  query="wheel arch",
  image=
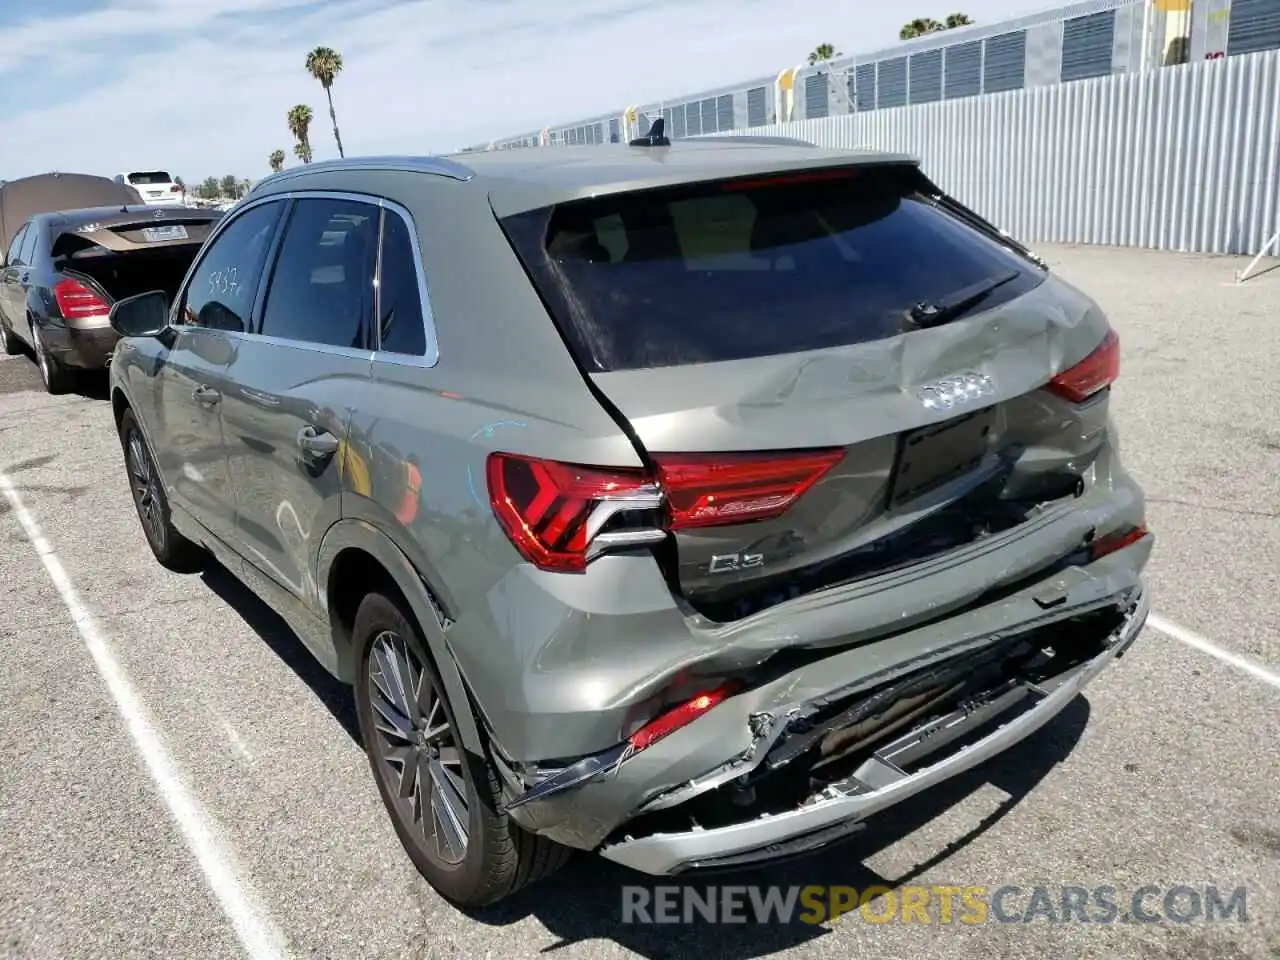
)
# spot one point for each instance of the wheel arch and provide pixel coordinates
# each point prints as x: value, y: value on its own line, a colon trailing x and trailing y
x: 356, y: 557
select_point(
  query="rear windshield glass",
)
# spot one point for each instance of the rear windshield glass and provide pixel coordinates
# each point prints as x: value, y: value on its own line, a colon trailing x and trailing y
x: 150, y: 177
x: 731, y: 270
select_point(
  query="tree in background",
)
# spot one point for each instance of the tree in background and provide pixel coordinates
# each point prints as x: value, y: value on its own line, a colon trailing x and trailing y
x: 925, y: 25
x: 276, y: 160
x: 230, y: 186
x: 208, y: 189
x: 821, y: 53
x: 299, y: 119
x: 325, y: 64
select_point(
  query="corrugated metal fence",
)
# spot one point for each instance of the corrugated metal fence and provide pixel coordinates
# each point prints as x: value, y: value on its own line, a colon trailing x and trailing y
x: 1181, y: 158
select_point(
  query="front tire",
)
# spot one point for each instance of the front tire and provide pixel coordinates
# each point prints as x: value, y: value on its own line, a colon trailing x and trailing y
x: 442, y: 800
x: 172, y: 549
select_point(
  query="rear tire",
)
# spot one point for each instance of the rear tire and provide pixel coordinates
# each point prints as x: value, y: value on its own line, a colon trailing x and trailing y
x: 430, y: 785
x: 53, y: 374
x: 11, y: 344
x: 174, y: 551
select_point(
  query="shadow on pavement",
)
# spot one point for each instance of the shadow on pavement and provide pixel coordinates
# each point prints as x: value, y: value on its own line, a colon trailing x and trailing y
x: 335, y: 695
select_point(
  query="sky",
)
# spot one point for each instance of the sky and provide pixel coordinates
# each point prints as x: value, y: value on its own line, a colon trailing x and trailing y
x: 201, y: 87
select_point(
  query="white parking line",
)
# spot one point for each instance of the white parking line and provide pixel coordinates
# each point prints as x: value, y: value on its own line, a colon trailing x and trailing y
x: 257, y: 933
x: 1197, y: 642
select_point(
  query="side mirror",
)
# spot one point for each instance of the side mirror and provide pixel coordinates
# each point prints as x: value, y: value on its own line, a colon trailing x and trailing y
x: 143, y: 315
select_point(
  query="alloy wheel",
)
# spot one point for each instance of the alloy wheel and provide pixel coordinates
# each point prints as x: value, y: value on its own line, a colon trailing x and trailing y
x: 146, y: 491
x: 42, y: 358
x: 418, y: 756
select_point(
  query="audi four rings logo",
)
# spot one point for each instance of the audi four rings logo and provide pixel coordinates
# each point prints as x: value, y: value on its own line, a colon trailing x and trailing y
x: 954, y: 391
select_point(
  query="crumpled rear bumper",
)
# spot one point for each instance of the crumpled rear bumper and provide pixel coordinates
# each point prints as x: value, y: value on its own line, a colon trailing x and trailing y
x: 879, y: 782
x: 610, y: 809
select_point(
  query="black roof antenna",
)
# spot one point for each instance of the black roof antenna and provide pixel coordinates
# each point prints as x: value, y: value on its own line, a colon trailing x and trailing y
x: 656, y: 137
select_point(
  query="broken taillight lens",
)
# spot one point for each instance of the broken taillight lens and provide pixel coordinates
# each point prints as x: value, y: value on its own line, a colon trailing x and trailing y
x: 558, y: 515
x: 77, y: 302
x: 1117, y: 540
x: 713, y: 490
x: 1092, y: 374
x: 681, y: 716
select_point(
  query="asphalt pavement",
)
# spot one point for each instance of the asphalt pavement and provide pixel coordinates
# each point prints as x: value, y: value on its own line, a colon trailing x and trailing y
x: 178, y: 778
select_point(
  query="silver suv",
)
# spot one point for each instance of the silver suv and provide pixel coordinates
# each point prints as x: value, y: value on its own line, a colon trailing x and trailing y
x: 684, y: 503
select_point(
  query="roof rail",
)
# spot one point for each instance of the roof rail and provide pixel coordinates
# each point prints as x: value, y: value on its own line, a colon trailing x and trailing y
x: 406, y: 164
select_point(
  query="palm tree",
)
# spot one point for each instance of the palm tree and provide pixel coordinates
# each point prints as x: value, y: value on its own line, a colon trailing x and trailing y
x: 919, y: 27
x: 822, y: 52
x: 276, y: 160
x: 299, y: 118
x: 325, y: 64
x: 958, y: 20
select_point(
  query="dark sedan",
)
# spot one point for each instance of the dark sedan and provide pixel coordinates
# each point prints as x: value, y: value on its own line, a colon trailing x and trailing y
x: 64, y: 270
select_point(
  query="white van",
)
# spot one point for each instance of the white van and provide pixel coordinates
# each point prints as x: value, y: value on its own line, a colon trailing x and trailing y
x: 156, y: 187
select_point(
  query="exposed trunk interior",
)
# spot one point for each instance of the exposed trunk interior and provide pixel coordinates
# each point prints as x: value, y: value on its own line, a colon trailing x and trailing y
x: 123, y: 275
x: 894, y: 724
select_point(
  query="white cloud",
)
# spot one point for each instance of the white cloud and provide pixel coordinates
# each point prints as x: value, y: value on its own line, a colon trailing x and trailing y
x: 201, y: 87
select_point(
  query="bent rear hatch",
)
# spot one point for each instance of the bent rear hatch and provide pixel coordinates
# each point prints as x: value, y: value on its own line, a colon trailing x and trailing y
x: 832, y: 373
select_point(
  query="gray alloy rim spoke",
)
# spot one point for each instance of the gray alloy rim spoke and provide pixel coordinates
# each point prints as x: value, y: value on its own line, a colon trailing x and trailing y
x: 421, y: 762
x: 449, y: 810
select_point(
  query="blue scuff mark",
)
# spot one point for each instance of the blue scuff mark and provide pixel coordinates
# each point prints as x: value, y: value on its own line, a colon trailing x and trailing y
x: 487, y: 431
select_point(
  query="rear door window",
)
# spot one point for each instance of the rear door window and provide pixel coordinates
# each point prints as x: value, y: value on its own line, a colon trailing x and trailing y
x: 731, y: 270
x: 14, y: 257
x: 30, y: 245
x: 321, y: 289
x: 224, y: 283
x: 401, y: 325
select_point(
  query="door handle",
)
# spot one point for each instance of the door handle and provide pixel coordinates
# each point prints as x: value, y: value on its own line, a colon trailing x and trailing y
x: 205, y: 396
x: 317, y: 444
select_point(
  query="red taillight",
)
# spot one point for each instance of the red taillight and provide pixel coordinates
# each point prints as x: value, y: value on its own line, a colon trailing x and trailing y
x: 558, y: 515
x: 681, y: 716
x: 1095, y: 372
x: 711, y: 490
x: 175, y: 189
x: 76, y: 301
x: 546, y: 507
x: 1118, y: 540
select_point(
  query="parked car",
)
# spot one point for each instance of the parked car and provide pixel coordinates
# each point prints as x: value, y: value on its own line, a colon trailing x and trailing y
x: 157, y: 188
x: 64, y: 270
x: 685, y: 503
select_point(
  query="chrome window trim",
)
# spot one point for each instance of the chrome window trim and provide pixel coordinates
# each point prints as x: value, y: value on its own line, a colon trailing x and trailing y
x: 432, y: 354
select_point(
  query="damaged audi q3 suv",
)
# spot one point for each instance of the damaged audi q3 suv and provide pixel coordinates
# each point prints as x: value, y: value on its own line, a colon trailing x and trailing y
x: 688, y: 503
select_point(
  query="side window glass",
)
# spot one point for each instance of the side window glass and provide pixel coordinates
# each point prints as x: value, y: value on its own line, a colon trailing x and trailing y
x: 223, y: 285
x: 400, y: 299
x: 322, y: 286
x: 14, y: 257
x: 29, y: 244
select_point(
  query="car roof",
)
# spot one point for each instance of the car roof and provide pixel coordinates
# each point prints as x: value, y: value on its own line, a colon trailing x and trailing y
x: 532, y: 177
x: 46, y: 192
